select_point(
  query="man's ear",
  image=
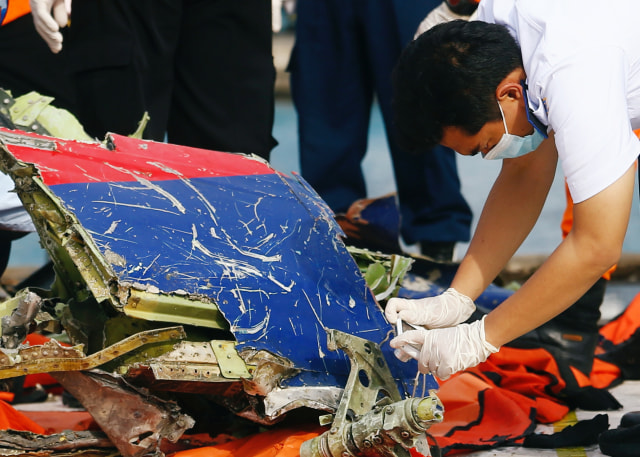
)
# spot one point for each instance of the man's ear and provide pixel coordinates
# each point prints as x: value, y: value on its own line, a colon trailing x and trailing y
x: 509, y: 91
x: 510, y: 87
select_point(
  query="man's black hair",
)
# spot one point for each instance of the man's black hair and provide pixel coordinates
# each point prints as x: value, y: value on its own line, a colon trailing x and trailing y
x: 448, y: 77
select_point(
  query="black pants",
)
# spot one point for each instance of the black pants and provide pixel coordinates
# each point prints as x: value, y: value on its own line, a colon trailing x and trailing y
x: 203, y: 69
x: 27, y: 64
x: 343, y: 58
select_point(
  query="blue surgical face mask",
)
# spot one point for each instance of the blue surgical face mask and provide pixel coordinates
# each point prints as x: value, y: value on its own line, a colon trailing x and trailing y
x: 511, y: 146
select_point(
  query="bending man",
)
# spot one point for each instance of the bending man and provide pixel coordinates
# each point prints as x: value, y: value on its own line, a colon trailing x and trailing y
x: 528, y: 83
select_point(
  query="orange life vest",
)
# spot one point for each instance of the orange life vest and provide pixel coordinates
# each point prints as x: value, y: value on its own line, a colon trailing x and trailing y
x: 13, y: 9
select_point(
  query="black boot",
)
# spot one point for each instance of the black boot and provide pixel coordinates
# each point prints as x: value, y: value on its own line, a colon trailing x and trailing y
x: 621, y: 442
x: 372, y: 223
x: 630, y: 419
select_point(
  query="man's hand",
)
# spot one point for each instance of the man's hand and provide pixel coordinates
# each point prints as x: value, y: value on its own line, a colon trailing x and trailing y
x: 445, y: 351
x: 445, y: 310
x: 49, y: 16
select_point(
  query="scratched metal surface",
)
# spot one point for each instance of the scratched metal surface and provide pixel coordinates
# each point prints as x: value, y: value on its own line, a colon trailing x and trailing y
x: 261, y: 244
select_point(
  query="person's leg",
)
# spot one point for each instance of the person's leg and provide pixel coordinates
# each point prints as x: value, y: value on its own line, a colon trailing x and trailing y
x: 6, y: 238
x: 224, y: 77
x: 433, y: 210
x: 27, y: 64
x: 5, y: 251
x: 119, y: 55
x: 332, y: 94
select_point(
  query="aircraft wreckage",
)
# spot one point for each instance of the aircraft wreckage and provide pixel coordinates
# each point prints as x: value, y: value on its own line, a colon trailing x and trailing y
x: 181, y: 271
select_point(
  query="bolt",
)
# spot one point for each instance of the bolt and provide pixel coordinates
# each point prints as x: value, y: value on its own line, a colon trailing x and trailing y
x: 333, y: 431
x: 377, y: 439
x: 345, y: 454
x: 366, y: 443
x: 390, y: 410
x: 405, y: 434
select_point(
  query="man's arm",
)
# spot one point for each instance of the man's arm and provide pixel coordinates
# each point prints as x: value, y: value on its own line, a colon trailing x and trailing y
x: 593, y: 246
x: 510, y: 212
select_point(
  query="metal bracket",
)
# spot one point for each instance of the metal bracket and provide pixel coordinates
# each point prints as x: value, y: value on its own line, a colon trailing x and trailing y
x: 54, y: 357
x: 231, y: 365
x: 373, y: 419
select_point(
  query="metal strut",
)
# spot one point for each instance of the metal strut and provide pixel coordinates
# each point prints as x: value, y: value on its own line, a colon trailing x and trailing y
x: 372, y: 418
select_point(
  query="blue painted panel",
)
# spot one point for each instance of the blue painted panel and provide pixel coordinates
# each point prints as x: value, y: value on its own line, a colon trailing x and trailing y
x: 264, y: 247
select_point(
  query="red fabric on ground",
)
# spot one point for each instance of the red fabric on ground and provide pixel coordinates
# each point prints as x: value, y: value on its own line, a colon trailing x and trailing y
x: 604, y: 374
x: 625, y: 325
x: 496, y: 403
x: 284, y: 442
x: 53, y: 422
x: 499, y: 401
x: 12, y: 419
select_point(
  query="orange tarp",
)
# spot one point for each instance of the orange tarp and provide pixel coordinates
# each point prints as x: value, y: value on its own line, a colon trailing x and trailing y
x: 11, y: 419
x: 283, y: 442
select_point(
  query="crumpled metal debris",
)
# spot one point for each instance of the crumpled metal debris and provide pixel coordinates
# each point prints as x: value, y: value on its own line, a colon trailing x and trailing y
x: 248, y: 262
x: 134, y: 420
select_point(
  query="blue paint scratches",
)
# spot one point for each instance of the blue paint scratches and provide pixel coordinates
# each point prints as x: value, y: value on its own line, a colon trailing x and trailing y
x: 265, y: 248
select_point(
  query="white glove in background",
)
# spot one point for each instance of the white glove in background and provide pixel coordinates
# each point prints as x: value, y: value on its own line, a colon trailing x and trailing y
x: 446, y: 351
x: 276, y: 12
x: 438, y: 15
x: 444, y: 310
x: 276, y: 15
x: 49, y: 16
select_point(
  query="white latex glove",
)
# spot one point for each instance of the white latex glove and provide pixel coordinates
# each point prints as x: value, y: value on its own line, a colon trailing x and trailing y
x: 444, y: 310
x: 440, y: 14
x: 276, y: 12
x: 445, y: 351
x: 49, y: 16
x: 276, y: 15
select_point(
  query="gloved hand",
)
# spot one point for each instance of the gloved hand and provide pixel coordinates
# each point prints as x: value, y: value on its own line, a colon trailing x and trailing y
x: 445, y: 351
x: 440, y: 14
x: 49, y: 16
x: 444, y: 310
